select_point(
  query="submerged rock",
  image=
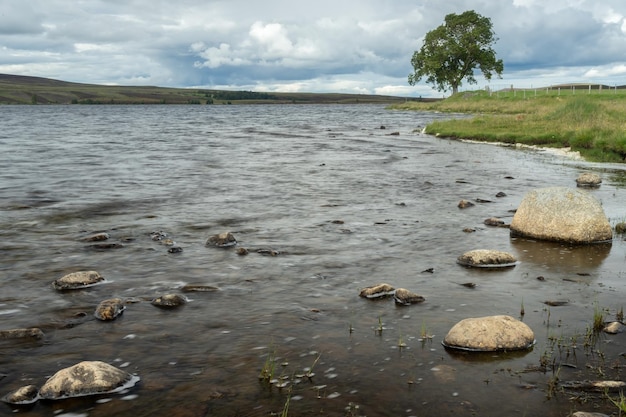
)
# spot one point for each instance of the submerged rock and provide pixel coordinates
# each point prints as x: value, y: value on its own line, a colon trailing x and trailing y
x: 198, y: 288
x: 405, y: 297
x: 588, y: 179
x: 169, y: 301
x: 465, y: 204
x: 86, y: 378
x: 96, y: 237
x: 561, y: 214
x: 109, y: 309
x: 223, y: 240
x: 377, y: 291
x: 32, y: 333
x: 494, y: 221
x: 77, y: 280
x: 22, y: 396
x: 486, y: 258
x: 491, y: 333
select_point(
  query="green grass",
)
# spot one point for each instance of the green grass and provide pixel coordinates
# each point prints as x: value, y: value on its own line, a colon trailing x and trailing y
x: 593, y: 124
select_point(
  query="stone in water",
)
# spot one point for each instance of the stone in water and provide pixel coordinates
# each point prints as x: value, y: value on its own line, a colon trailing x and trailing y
x: 77, y: 280
x: 86, y: 378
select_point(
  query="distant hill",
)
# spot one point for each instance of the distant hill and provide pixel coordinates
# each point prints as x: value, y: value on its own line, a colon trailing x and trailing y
x: 19, y: 89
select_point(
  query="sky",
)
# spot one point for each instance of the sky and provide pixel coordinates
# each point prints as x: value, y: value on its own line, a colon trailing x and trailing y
x: 342, y: 46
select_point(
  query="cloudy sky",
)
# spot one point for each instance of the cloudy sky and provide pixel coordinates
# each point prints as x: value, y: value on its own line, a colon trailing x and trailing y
x: 352, y: 46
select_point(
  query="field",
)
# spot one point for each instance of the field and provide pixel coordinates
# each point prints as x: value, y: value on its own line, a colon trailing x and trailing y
x: 591, y: 121
x: 34, y: 90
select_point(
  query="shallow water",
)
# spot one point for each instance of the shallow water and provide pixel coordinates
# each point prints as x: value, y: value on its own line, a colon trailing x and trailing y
x: 346, y: 205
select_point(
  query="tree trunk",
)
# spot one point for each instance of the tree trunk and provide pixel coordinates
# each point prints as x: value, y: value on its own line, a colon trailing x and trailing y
x: 455, y: 89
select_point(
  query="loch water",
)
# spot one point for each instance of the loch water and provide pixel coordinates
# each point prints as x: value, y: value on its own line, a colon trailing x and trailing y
x: 327, y: 199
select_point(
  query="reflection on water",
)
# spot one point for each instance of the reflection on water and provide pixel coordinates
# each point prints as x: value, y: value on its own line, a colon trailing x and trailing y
x: 563, y: 257
x: 341, y: 204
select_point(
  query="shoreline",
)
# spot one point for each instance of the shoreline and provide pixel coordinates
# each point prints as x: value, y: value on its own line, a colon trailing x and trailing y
x: 561, y: 152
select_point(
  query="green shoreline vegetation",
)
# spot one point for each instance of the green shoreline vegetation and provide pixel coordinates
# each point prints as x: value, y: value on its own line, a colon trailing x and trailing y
x: 587, y: 119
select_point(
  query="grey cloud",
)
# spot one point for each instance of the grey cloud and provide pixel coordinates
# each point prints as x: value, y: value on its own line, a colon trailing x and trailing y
x: 352, y: 45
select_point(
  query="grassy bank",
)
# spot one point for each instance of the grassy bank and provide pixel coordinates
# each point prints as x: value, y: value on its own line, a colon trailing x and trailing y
x: 592, y: 123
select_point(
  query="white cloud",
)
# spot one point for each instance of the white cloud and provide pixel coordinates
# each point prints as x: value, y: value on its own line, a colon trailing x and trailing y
x: 361, y: 46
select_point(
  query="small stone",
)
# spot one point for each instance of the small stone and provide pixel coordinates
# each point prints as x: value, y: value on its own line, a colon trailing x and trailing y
x: 485, y: 258
x: 175, y: 249
x: 614, y: 327
x: 270, y: 252
x: 501, y: 194
x: 22, y: 396
x: 96, y: 237
x: 109, y: 309
x: 588, y: 414
x: 492, y: 333
x: 556, y: 303
x: 86, y: 378
x: 620, y: 228
x: 405, y: 297
x: 242, y: 251
x: 169, y: 301
x: 465, y: 204
x: 588, y: 179
x: 377, y: 291
x: 157, y: 236
x: 494, y: 221
x: 77, y: 280
x: 223, y: 240
x: 106, y: 246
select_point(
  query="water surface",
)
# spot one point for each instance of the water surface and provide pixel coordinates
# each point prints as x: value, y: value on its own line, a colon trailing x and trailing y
x: 345, y: 204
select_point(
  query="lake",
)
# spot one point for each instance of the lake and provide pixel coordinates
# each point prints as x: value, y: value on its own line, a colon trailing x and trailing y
x: 327, y: 199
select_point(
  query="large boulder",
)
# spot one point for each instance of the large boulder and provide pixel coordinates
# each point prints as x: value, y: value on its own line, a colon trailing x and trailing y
x: 561, y: 214
x: 86, y: 378
x: 491, y: 333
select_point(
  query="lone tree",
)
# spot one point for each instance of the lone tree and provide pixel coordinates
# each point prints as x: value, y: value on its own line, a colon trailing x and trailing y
x: 451, y: 52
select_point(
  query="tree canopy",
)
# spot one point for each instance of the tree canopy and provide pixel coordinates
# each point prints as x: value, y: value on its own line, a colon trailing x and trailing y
x: 452, y: 52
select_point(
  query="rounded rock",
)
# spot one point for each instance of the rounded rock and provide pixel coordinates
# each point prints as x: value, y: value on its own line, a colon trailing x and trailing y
x: 614, y: 327
x: 561, y: 214
x: 488, y: 334
x: 486, y: 258
x: 222, y: 240
x: 22, y: 396
x: 169, y: 301
x: 405, y: 297
x: 588, y: 179
x: 86, y: 378
x: 77, y: 280
x: 109, y: 309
